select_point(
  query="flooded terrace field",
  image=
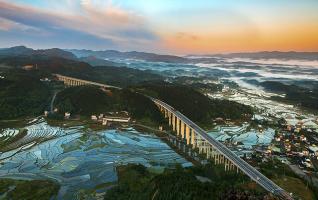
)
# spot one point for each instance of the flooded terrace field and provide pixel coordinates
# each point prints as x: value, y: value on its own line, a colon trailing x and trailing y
x: 82, y: 160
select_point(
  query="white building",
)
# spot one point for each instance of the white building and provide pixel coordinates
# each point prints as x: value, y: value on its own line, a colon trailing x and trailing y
x: 107, y: 119
x: 67, y: 115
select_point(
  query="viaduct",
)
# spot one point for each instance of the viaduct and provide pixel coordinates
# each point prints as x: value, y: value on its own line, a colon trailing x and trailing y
x: 70, y: 81
x: 196, y: 138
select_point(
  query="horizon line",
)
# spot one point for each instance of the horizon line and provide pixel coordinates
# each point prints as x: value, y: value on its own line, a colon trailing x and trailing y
x: 166, y: 53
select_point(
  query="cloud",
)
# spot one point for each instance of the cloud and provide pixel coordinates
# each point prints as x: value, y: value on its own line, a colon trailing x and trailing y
x: 187, y: 36
x: 105, y: 21
x: 6, y: 25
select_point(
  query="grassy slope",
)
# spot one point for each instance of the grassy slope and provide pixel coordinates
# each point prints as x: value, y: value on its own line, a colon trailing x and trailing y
x: 296, y: 186
x: 282, y: 175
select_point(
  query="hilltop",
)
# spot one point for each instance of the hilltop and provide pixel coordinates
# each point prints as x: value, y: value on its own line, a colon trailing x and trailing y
x: 24, y: 51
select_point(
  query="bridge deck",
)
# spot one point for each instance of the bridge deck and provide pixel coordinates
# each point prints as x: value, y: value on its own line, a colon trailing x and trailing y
x: 240, y: 163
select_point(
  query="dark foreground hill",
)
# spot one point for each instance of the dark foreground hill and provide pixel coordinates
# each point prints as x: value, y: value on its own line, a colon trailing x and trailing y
x: 136, y: 182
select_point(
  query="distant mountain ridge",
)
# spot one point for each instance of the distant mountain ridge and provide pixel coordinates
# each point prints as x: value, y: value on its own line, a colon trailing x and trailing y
x: 92, y: 60
x: 93, y: 57
x: 289, y: 55
x: 24, y: 51
x: 113, y: 54
x: 107, y: 57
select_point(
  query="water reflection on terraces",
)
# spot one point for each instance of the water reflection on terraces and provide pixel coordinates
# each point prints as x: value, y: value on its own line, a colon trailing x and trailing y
x: 80, y: 159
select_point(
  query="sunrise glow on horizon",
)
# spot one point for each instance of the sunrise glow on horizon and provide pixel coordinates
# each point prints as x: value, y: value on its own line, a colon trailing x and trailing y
x: 179, y: 27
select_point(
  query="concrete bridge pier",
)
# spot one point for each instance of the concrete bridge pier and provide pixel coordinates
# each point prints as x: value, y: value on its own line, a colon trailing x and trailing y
x: 200, y: 144
x: 193, y: 139
x: 178, y: 126
x: 182, y: 129
x: 174, y: 119
x: 217, y: 159
x: 227, y: 165
x: 187, y: 134
x: 170, y: 118
x: 187, y: 141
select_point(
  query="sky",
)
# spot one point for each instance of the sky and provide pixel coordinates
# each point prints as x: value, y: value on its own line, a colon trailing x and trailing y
x: 163, y: 26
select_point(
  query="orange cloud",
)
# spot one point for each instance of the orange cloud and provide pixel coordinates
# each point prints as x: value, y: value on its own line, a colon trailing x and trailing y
x: 186, y: 36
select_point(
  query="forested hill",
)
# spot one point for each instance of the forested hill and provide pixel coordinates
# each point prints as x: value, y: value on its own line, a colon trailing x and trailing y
x: 190, y: 102
x: 88, y: 100
x: 22, y: 94
x: 118, y: 76
x: 301, y: 96
x: 44, y: 63
x: 198, y: 107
